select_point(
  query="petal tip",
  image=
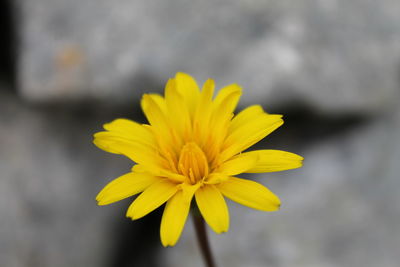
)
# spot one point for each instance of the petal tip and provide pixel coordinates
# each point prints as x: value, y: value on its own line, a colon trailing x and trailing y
x: 209, y: 80
x: 276, y: 208
x: 101, y: 200
x: 182, y: 74
x: 166, y: 244
x: 278, y: 205
x: 100, y: 203
x: 100, y: 196
x: 130, y: 215
x: 223, y: 230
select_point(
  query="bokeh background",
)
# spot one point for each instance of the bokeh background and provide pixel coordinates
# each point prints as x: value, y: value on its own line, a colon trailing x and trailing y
x: 331, y: 67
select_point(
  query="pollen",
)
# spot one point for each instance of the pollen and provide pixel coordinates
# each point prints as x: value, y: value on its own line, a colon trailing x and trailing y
x: 193, y: 163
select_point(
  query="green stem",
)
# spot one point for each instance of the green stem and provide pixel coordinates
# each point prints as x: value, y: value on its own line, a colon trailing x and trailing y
x: 202, y: 239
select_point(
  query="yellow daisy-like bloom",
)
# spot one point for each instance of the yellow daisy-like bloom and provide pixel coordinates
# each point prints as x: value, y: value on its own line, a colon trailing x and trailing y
x: 193, y: 147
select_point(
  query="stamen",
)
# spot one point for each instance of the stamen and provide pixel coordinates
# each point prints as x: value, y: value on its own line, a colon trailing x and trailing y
x: 193, y: 163
x: 191, y: 176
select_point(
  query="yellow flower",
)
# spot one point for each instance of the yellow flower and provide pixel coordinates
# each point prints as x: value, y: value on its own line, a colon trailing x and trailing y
x: 193, y: 147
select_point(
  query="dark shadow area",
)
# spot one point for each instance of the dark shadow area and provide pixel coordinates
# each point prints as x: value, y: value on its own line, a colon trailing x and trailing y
x: 7, y: 44
x: 106, y: 110
x: 304, y: 126
x: 137, y: 242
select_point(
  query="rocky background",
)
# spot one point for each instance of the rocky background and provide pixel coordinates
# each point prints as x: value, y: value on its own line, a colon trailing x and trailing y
x: 331, y: 67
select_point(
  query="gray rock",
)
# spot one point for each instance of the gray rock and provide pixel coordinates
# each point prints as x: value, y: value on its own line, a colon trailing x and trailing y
x: 340, y: 209
x: 50, y: 175
x: 335, y: 56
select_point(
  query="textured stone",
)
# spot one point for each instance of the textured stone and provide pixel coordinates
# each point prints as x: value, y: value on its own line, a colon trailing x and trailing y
x: 340, y: 209
x: 335, y: 56
x: 50, y: 175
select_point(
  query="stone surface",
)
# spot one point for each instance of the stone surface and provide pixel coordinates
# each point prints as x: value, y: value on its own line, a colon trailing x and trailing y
x: 340, y: 209
x: 332, y: 68
x: 50, y: 175
x: 336, y: 56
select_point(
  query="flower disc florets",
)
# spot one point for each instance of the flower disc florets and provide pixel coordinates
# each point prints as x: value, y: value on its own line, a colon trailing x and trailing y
x: 193, y: 163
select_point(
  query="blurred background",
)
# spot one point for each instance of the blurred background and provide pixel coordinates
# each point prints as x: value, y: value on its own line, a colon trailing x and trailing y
x: 331, y: 67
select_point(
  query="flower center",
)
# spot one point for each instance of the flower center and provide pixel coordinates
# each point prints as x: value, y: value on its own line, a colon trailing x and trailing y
x: 193, y: 163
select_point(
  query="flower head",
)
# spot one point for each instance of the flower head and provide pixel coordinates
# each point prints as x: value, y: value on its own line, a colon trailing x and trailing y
x: 193, y: 148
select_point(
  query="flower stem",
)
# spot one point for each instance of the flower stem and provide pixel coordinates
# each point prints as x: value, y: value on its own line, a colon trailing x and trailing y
x: 202, y: 239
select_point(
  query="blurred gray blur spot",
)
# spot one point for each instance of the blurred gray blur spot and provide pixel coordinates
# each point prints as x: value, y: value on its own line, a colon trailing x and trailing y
x: 338, y: 56
x: 331, y: 67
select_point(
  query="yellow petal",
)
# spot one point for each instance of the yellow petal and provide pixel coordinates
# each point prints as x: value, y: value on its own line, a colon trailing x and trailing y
x: 250, y: 133
x: 156, y: 111
x: 138, y: 168
x: 224, y: 105
x: 225, y: 92
x: 189, y: 190
x: 104, y: 144
x: 188, y: 88
x: 175, y: 104
x: 201, y: 121
x: 160, y: 101
x: 130, y: 130
x: 205, y: 101
x: 250, y: 194
x: 153, y: 197
x: 216, y: 178
x: 125, y: 186
x: 274, y: 160
x: 159, y: 172
x: 104, y: 141
x: 136, y: 151
x: 171, y: 175
x: 239, y: 164
x: 174, y: 218
x: 213, y: 208
x: 154, y: 108
x: 245, y: 116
